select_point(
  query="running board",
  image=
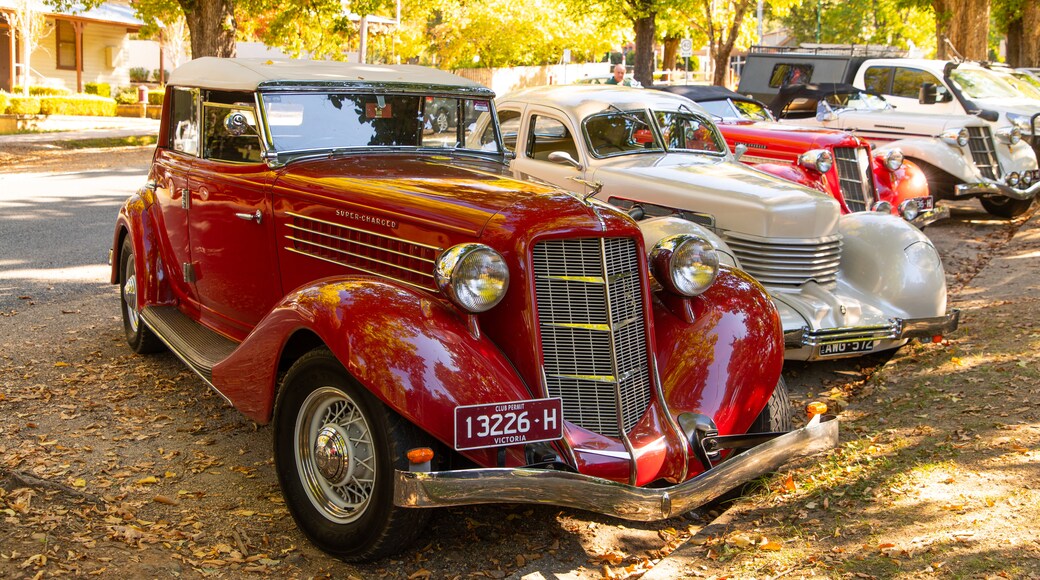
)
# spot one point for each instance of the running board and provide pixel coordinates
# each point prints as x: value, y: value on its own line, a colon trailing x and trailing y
x: 199, y: 347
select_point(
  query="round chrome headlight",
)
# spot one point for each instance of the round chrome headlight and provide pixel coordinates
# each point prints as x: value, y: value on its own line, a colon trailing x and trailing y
x: 894, y: 159
x: 1012, y: 178
x: 473, y: 276
x: 910, y: 209
x: 958, y: 137
x: 819, y: 159
x: 1027, y: 178
x: 1014, y: 135
x: 882, y: 207
x: 684, y: 264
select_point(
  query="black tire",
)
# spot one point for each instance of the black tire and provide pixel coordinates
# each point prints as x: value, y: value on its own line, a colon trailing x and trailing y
x: 344, y: 507
x: 1005, y: 207
x: 140, y: 338
x: 777, y: 414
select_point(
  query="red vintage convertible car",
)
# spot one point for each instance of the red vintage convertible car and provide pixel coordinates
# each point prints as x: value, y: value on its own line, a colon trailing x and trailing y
x: 422, y: 330
x: 833, y: 162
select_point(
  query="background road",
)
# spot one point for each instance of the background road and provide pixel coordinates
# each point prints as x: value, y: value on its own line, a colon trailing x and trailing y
x: 56, y: 231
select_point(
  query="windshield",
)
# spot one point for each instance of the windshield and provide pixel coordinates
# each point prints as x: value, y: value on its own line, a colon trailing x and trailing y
x: 1026, y: 84
x: 688, y: 132
x: 620, y: 132
x: 981, y: 84
x: 857, y: 102
x: 327, y: 121
x: 730, y: 109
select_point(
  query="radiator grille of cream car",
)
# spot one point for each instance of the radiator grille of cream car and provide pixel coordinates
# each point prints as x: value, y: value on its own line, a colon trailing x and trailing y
x: 983, y: 152
x: 593, y: 333
x: 787, y: 262
x: 854, y: 176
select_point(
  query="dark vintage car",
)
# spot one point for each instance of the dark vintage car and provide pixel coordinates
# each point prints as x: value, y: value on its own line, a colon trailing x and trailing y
x: 422, y: 330
x: 835, y: 162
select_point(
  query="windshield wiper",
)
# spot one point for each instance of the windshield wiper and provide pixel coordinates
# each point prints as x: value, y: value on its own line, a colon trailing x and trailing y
x: 629, y: 116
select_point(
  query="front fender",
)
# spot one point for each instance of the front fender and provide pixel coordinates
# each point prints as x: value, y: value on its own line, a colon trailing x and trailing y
x: 795, y: 173
x: 409, y: 350
x: 135, y: 222
x: 720, y: 353
x: 949, y: 158
x: 895, y: 187
x: 892, y: 264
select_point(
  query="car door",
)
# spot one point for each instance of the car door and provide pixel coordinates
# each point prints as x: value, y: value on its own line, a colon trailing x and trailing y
x: 544, y: 131
x: 232, y: 230
x: 174, y: 159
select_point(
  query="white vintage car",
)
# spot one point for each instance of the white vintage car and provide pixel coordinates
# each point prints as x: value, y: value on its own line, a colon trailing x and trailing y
x: 958, y: 153
x: 844, y: 285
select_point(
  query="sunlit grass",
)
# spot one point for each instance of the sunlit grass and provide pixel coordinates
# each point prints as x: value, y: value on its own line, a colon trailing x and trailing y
x: 108, y: 142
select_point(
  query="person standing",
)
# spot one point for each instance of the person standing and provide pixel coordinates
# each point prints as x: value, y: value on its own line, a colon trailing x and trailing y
x: 619, y: 76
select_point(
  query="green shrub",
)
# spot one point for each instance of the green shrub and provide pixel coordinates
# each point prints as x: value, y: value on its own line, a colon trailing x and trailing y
x: 155, y: 97
x: 126, y: 95
x: 24, y: 106
x: 139, y: 74
x: 41, y: 91
x: 160, y: 76
x: 4, y: 99
x: 99, y: 89
x: 88, y: 105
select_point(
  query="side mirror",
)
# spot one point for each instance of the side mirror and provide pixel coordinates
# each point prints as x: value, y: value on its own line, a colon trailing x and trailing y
x: 564, y: 158
x: 989, y: 115
x: 237, y: 124
x: 928, y: 94
x: 739, y: 151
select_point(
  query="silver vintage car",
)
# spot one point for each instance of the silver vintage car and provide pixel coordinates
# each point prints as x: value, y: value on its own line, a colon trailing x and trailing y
x: 844, y: 285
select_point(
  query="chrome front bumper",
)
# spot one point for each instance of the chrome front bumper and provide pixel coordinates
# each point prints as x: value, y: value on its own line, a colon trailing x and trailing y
x: 898, y: 329
x: 975, y: 189
x: 574, y: 490
x: 930, y: 216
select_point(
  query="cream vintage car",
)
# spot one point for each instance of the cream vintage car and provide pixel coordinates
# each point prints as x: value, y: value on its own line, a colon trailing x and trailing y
x: 844, y: 285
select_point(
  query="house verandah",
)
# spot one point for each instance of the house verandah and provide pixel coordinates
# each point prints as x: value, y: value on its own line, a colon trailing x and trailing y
x: 90, y: 46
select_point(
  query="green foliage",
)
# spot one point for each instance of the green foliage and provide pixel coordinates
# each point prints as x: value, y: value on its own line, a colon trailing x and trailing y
x: 139, y: 74
x: 160, y: 77
x: 99, y: 89
x: 155, y: 97
x: 126, y: 95
x: 23, y: 105
x: 885, y: 22
x: 43, y: 91
x: 4, y: 100
x: 86, y: 105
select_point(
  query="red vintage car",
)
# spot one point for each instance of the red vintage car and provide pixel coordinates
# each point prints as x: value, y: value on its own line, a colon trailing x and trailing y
x: 422, y: 330
x: 833, y: 162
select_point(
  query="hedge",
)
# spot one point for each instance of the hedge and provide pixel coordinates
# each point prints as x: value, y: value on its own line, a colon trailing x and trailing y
x: 126, y: 96
x: 4, y: 99
x: 41, y: 91
x: 99, y: 89
x: 23, y: 106
x: 90, y: 105
x: 155, y: 97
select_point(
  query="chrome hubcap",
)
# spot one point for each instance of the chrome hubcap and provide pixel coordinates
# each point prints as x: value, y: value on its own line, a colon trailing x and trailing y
x: 130, y: 294
x: 335, y: 455
x: 332, y: 454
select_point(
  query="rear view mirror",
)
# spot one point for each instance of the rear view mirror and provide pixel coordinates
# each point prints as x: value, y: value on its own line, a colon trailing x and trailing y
x: 928, y: 94
x: 237, y: 124
x: 739, y: 151
x: 564, y: 158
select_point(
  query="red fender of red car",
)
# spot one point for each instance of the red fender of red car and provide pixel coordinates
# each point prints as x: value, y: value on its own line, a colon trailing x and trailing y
x: 134, y: 221
x: 727, y: 361
x: 908, y: 182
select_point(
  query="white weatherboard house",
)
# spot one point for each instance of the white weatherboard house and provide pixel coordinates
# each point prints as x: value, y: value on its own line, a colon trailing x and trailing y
x: 77, y: 47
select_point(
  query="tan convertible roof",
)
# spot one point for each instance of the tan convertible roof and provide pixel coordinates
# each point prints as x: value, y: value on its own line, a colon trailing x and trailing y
x: 247, y: 74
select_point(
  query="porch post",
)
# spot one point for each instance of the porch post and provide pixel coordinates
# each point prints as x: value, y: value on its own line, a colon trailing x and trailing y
x: 77, y: 27
x: 11, y: 52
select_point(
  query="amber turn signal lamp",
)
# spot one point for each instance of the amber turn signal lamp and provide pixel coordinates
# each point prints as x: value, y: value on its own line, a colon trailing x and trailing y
x: 816, y: 408
x: 420, y: 455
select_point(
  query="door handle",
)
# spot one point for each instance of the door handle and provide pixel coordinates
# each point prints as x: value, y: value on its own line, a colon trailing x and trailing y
x: 250, y: 216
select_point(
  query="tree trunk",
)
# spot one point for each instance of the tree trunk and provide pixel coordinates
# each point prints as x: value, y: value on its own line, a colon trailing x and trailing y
x: 645, y: 30
x: 966, y: 24
x: 724, y: 48
x: 1030, y: 51
x: 211, y: 26
x: 671, y: 49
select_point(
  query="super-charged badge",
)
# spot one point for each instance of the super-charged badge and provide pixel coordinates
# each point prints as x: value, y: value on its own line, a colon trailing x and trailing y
x: 511, y: 423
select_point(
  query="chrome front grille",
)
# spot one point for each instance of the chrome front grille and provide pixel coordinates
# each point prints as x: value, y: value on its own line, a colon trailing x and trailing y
x: 787, y: 262
x: 854, y: 177
x: 983, y: 152
x: 362, y: 250
x: 593, y: 334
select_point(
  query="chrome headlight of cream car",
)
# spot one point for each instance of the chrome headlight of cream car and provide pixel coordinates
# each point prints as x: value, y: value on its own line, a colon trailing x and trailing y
x: 684, y: 264
x: 1022, y: 122
x: 473, y: 276
x: 958, y: 137
x: 819, y: 159
x: 1010, y: 135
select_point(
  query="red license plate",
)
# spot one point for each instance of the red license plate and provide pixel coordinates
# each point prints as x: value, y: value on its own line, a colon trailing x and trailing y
x: 513, y: 423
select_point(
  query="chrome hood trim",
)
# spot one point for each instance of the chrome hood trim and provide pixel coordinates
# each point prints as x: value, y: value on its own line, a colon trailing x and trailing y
x: 574, y: 490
